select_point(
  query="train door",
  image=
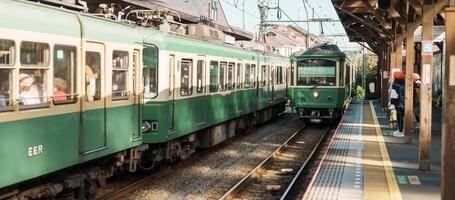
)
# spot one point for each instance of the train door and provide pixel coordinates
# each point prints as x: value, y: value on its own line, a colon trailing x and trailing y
x: 93, y: 136
x: 137, y: 92
x: 201, y: 90
x: 172, y: 92
x: 239, y: 86
x: 272, y: 82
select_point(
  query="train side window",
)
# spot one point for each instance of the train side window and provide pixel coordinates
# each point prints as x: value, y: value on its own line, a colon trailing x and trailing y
x: 5, y: 90
x: 214, y: 82
x: 150, y: 71
x: 253, y: 75
x: 33, y: 75
x: 34, y: 54
x: 341, y: 70
x: 248, y: 83
x: 200, y: 73
x: 348, y: 74
x: 263, y: 75
x: 7, y: 49
x: 186, y: 77
x: 230, y: 76
x: 239, y: 76
x: 120, y: 67
x: 65, y: 74
x: 223, y: 84
x: 7, y: 58
x: 92, y: 76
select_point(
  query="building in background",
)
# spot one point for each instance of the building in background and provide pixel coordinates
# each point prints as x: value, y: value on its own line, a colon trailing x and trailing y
x: 287, y: 39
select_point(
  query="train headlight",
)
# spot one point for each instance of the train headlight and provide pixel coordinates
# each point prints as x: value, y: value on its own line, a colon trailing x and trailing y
x: 315, y: 94
x: 146, y: 126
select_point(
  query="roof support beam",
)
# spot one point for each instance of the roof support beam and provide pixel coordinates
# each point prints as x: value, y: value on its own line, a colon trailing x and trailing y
x: 448, y: 136
x: 417, y: 5
x: 376, y: 15
x: 361, y: 20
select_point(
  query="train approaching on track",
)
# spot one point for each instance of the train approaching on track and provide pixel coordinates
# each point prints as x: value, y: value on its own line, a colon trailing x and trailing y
x: 82, y: 97
x: 320, y: 83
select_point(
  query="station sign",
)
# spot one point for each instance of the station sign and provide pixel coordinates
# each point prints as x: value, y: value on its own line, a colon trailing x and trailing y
x: 427, y: 48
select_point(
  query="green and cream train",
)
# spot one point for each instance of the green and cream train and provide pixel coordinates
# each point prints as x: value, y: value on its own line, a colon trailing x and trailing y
x: 321, y: 82
x: 82, y: 97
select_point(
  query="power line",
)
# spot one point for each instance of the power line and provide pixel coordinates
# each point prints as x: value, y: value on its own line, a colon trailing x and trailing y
x: 234, y: 6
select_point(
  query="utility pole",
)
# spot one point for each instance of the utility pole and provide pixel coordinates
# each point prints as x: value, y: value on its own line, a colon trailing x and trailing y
x: 263, y: 6
x: 243, y: 10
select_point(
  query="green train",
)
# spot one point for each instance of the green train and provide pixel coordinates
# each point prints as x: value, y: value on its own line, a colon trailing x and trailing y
x: 321, y: 80
x: 82, y: 97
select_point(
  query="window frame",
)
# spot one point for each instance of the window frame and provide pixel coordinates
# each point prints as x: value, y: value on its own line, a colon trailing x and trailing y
x: 76, y: 83
x: 230, y: 83
x: 217, y: 76
x: 46, y: 80
x: 156, y: 70
x: 239, y: 76
x: 48, y: 60
x: 126, y: 71
x: 189, y: 89
x: 10, y: 72
x: 222, y: 82
x: 200, y: 87
x: 14, y: 56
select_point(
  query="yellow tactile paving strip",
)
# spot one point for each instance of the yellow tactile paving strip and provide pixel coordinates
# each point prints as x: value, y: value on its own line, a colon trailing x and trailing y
x: 379, y: 179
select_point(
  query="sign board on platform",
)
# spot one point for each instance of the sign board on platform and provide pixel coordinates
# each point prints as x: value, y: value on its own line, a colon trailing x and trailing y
x: 452, y: 70
x: 426, y: 74
x: 427, y: 47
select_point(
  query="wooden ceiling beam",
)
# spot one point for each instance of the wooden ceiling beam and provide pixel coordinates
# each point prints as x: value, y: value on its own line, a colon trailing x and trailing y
x: 378, y: 17
x: 417, y: 5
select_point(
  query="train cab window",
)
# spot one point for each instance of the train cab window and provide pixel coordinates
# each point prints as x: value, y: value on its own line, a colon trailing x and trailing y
x: 33, y: 75
x: 214, y: 82
x: 200, y: 76
x: 223, y: 85
x: 150, y: 71
x: 65, y: 71
x: 186, y: 77
x: 239, y: 77
x: 316, y: 72
x: 230, y: 76
x: 7, y: 49
x: 92, y: 76
x: 120, y: 67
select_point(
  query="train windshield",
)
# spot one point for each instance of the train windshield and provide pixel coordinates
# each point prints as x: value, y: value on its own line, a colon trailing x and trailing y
x: 316, y: 72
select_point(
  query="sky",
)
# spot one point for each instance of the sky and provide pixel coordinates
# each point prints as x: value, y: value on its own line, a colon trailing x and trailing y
x: 295, y: 9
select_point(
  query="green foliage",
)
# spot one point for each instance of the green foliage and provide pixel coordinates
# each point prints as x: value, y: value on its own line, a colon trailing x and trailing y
x: 359, y: 92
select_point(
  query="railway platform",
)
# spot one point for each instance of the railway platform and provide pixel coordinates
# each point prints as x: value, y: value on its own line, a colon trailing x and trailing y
x: 364, y: 161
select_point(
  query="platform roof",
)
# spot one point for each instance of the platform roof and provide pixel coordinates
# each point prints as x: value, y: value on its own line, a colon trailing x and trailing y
x: 365, y: 22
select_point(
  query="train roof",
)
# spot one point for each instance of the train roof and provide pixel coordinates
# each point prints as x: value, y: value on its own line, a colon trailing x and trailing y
x: 41, y: 18
x: 323, y: 50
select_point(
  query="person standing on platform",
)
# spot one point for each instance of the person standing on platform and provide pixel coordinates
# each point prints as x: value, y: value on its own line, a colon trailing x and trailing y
x: 399, y: 103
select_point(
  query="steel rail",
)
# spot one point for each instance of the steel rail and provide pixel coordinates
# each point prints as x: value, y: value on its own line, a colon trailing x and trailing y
x: 240, y: 184
x: 117, y: 194
x: 304, y: 165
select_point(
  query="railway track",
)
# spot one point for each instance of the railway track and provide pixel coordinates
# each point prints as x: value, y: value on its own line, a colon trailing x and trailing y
x: 275, y: 176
